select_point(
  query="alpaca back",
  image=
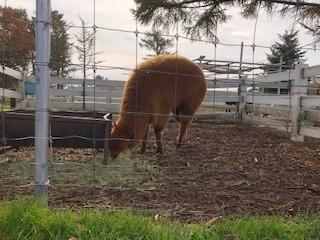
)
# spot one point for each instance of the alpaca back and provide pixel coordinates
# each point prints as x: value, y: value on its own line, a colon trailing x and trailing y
x: 161, y: 84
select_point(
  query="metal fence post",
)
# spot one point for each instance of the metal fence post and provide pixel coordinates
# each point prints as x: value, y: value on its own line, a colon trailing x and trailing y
x: 299, y: 89
x: 43, y: 27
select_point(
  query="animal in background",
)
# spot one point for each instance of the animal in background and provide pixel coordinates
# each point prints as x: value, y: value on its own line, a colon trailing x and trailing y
x: 314, y: 87
x: 159, y: 86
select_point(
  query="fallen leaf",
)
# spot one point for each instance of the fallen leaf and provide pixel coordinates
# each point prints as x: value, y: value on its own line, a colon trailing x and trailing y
x: 214, y: 220
x: 157, y: 217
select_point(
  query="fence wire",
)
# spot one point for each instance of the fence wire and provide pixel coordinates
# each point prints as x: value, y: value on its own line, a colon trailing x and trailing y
x: 142, y: 172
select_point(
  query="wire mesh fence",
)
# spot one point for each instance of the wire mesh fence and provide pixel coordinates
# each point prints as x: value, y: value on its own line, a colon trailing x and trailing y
x: 227, y: 166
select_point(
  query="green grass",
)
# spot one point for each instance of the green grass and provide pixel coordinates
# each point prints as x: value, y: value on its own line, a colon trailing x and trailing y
x: 27, y: 219
x: 135, y: 170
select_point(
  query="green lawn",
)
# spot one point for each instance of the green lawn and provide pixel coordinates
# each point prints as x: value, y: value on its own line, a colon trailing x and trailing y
x: 25, y: 219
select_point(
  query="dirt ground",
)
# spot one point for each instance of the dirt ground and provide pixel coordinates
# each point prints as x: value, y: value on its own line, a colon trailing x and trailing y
x: 224, y: 169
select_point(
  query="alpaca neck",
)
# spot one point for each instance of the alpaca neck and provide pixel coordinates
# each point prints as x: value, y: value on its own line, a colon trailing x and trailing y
x: 135, y: 101
x: 134, y: 126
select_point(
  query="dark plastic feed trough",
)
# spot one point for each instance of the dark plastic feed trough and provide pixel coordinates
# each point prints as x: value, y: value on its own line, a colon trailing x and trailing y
x: 68, y: 129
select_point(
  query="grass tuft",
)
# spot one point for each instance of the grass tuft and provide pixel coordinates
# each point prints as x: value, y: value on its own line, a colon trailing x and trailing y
x: 28, y: 219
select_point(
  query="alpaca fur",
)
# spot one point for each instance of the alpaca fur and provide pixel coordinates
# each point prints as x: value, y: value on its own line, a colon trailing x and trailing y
x: 160, y: 85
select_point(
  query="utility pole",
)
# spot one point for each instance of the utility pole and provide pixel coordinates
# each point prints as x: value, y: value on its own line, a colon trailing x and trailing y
x: 43, y: 28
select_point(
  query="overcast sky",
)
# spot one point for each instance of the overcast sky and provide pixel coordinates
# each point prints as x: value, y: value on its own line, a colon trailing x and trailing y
x: 119, y: 49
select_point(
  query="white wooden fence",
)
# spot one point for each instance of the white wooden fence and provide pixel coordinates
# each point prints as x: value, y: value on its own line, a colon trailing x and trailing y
x: 8, y: 74
x: 107, y: 94
x: 296, y: 112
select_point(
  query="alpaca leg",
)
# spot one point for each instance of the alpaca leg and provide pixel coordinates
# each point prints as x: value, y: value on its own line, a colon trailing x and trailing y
x: 187, y: 111
x: 184, y: 125
x: 157, y: 132
x: 144, y: 141
x: 177, y: 114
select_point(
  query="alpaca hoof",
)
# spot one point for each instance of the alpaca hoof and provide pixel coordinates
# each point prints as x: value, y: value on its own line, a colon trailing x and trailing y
x: 159, y: 151
x: 142, y: 150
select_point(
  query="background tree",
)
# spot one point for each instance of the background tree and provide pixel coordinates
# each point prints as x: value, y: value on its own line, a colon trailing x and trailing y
x: 33, y: 54
x: 199, y: 18
x: 311, y: 21
x: 84, y: 47
x: 101, y: 77
x: 314, y: 30
x: 60, y: 46
x: 156, y: 43
x: 16, y: 38
x: 16, y: 45
x: 287, y: 51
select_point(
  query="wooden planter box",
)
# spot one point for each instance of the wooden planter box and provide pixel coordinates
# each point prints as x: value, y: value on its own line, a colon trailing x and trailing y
x: 68, y: 129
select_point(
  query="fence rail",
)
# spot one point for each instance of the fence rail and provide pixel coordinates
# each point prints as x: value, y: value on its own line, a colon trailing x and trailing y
x: 10, y: 94
x: 311, y: 71
x: 276, y: 77
x: 11, y: 72
x: 268, y: 99
x: 107, y: 94
x: 294, y: 111
x: 8, y: 75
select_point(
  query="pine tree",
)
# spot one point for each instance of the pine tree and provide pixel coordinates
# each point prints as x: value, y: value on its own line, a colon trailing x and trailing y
x: 199, y: 18
x: 60, y: 46
x: 287, y: 51
x: 311, y: 21
x: 156, y: 43
x: 314, y: 29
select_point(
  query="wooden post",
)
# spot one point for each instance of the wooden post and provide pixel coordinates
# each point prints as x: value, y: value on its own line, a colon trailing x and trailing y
x: 22, y: 90
x: 110, y: 97
x: 106, y: 152
x: 280, y: 70
x: 242, y: 97
x: 299, y: 89
x: 108, y: 118
x: 84, y: 91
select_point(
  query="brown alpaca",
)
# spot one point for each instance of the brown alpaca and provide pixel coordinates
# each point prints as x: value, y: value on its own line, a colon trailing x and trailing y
x: 159, y: 86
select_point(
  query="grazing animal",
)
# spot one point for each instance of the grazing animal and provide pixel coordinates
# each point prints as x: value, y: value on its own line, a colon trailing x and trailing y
x: 159, y: 86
